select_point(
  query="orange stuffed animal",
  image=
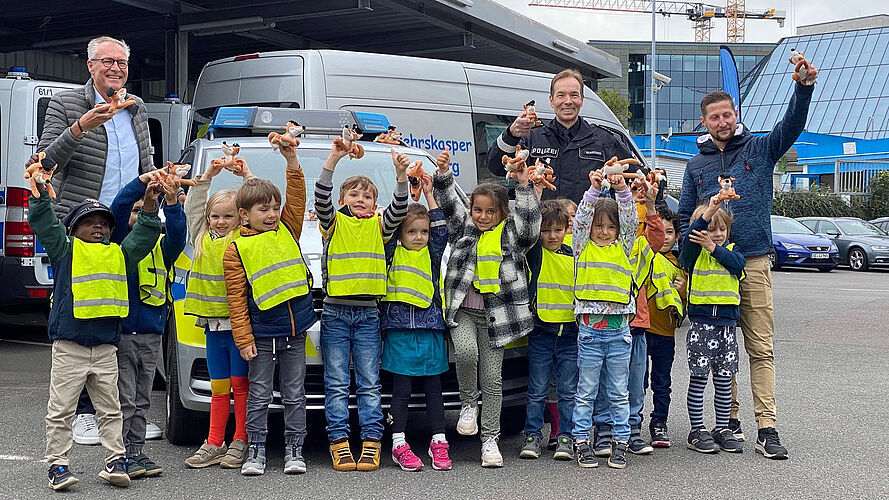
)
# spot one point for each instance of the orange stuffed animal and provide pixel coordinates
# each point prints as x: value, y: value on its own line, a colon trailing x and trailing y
x: 40, y: 172
x: 415, y: 176
x: 515, y: 163
x: 349, y: 142
x: 531, y: 113
x: 802, y: 69
x: 727, y: 192
x: 289, y: 137
x: 390, y: 137
x: 230, y: 160
x: 174, y: 173
x: 119, y: 99
x: 542, y: 173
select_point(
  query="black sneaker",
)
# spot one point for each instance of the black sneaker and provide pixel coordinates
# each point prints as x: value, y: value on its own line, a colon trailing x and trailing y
x: 618, y: 458
x: 61, y: 477
x: 565, y: 448
x: 585, y: 456
x: 144, y: 465
x: 115, y: 472
x: 727, y: 441
x: 735, y: 425
x: 531, y: 448
x: 768, y: 444
x: 702, y: 441
x: 602, y: 440
x: 637, y: 445
x: 659, y: 436
x: 553, y: 443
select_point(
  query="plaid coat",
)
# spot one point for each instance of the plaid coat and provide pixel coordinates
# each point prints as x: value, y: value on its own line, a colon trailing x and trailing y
x: 508, y: 312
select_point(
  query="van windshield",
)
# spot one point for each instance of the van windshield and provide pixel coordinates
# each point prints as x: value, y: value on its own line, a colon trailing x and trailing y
x: 267, y: 164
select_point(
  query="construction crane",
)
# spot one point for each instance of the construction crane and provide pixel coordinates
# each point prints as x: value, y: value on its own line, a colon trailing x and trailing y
x: 701, y: 14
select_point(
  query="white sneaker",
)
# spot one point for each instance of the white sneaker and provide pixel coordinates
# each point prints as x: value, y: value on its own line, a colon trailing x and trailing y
x: 467, y: 425
x: 491, y: 456
x: 86, y: 430
x: 152, y: 431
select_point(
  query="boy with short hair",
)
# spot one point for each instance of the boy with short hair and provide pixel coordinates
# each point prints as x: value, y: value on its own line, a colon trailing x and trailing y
x: 269, y: 297
x: 90, y: 299
x: 552, y: 346
x: 354, y: 272
x: 666, y: 297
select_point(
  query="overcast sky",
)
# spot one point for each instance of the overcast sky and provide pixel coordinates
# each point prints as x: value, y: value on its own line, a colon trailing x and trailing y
x: 599, y: 25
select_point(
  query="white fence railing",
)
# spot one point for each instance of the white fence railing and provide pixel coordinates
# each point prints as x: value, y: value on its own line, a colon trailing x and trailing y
x: 853, y: 176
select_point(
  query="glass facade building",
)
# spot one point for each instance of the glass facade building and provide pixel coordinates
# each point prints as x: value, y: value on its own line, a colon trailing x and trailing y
x: 851, y: 97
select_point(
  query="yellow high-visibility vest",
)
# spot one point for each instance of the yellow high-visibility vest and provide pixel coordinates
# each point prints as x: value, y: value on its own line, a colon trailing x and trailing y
x: 555, y: 287
x: 154, y: 279
x: 98, y: 280
x: 410, y: 278
x: 356, y: 260
x: 641, y: 258
x: 275, y: 267
x: 604, y: 274
x: 663, y: 273
x: 488, y: 256
x: 205, y: 292
x: 711, y: 283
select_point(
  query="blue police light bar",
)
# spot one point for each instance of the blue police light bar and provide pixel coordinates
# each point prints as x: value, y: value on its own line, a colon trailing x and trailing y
x: 233, y: 117
x: 315, y: 121
x: 372, y: 123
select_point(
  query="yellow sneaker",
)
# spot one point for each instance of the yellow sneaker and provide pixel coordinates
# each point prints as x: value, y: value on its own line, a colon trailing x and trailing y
x: 342, y: 455
x: 370, y: 455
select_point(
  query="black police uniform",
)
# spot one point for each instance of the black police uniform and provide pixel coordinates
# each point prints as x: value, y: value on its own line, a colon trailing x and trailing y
x: 572, y: 154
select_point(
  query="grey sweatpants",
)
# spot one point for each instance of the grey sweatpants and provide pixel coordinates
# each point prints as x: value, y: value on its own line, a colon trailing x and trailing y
x: 478, y: 364
x: 289, y: 354
x: 137, y: 357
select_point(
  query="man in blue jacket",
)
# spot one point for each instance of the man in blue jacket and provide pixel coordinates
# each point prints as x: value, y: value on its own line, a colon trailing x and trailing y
x: 729, y: 148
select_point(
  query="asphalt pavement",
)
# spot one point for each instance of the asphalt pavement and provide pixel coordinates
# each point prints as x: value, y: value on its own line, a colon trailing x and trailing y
x: 832, y: 359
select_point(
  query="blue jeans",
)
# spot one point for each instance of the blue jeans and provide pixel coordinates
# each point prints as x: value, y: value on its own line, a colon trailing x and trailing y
x: 603, y: 356
x: 660, y: 349
x: 351, y: 332
x: 544, y: 350
x: 635, y: 384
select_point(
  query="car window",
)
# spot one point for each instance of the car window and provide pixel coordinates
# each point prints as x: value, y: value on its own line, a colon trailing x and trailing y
x: 860, y: 228
x: 789, y: 226
x: 825, y: 227
x: 811, y: 224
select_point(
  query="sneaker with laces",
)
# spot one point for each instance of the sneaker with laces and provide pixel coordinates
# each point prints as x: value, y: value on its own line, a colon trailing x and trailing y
x: 564, y: 448
x: 85, y: 429
x: 602, y: 440
x: 441, y: 459
x: 115, y: 472
x: 702, y: 441
x: 61, y: 477
x: 727, y: 441
x: 735, y: 425
x: 467, y: 424
x: 255, y: 463
x: 618, y: 458
x: 585, y: 456
x: 206, y: 456
x: 531, y: 447
x: 406, y: 459
x: 152, y: 431
x: 370, y: 455
x: 637, y: 445
x: 293, y: 459
x: 769, y: 445
x: 235, y: 456
x: 491, y: 456
x: 341, y: 455
x: 659, y: 436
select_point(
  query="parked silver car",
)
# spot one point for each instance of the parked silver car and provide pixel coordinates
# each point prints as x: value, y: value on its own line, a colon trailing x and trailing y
x: 861, y: 244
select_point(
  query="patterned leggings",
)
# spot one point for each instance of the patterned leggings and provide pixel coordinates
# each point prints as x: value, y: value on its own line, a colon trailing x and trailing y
x: 478, y: 364
x: 722, y: 401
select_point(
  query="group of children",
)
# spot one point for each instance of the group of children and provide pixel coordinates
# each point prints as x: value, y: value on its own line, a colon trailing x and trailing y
x: 597, y: 293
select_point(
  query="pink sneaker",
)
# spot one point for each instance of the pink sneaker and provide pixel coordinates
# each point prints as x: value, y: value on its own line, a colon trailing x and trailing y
x: 406, y: 459
x: 439, y: 453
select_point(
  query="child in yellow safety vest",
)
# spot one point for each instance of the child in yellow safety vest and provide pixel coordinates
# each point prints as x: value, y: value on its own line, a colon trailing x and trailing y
x: 212, y: 225
x: 666, y: 296
x: 715, y: 270
x: 89, y: 301
x: 414, y: 345
x: 353, y: 266
x: 269, y: 295
x: 487, y: 304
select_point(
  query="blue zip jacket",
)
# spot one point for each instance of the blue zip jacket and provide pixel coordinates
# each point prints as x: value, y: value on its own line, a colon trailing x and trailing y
x: 405, y: 316
x: 144, y: 318
x: 751, y: 161
x: 732, y: 260
x: 535, y: 261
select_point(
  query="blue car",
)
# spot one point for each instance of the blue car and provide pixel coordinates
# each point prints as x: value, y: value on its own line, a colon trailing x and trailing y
x: 796, y: 245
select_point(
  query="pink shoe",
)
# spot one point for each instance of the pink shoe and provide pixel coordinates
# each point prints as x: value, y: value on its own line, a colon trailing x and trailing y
x: 406, y: 459
x: 439, y: 453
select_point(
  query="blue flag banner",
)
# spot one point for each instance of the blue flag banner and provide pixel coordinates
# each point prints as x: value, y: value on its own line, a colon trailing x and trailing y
x: 730, y: 82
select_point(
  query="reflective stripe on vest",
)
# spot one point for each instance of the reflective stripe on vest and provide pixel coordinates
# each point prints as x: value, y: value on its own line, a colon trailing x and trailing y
x: 488, y: 256
x: 205, y: 292
x: 663, y: 272
x: 356, y: 261
x: 603, y: 274
x: 98, y: 294
x: 713, y: 284
x: 555, y: 288
x: 154, y: 280
x: 641, y: 258
x: 410, y: 278
x: 273, y: 281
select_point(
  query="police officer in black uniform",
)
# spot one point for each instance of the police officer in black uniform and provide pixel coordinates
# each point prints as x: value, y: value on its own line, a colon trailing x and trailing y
x: 570, y: 145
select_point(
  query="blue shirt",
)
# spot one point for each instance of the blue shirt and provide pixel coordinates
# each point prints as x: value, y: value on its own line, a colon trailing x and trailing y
x: 122, y: 159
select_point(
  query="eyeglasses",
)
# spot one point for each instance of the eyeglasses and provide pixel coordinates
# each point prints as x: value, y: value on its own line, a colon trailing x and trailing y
x: 109, y: 62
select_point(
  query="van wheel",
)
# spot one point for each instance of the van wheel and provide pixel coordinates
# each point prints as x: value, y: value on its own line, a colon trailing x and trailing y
x: 184, y: 426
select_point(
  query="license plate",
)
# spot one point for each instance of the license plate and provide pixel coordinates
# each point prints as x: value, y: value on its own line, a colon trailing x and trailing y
x: 820, y: 256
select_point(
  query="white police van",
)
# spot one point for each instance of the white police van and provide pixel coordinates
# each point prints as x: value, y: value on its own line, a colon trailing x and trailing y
x: 27, y: 275
x: 188, y: 381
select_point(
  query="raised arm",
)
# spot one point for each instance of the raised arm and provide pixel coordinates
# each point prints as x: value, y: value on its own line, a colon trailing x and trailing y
x: 785, y: 132
x: 397, y: 209
x: 294, y: 212
x: 526, y: 217
x: 324, y: 190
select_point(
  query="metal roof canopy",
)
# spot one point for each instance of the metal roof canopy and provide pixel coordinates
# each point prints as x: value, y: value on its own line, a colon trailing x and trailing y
x: 171, y: 40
